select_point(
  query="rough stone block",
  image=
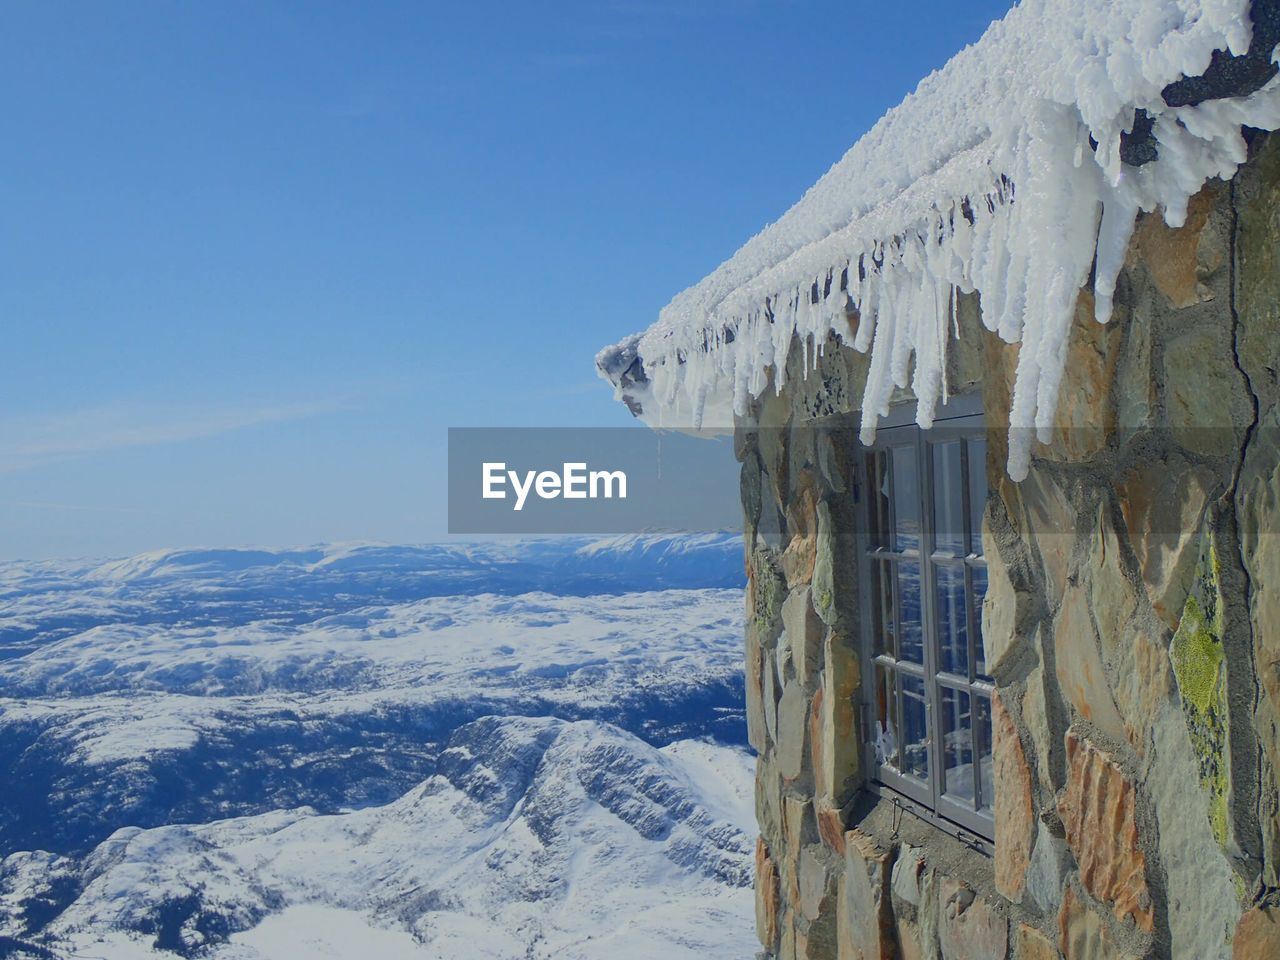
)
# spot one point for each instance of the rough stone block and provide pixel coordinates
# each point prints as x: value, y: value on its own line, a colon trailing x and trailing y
x: 1050, y: 863
x: 908, y: 875
x: 757, y: 734
x: 767, y: 897
x: 1078, y: 662
x: 1085, y: 406
x: 910, y: 941
x: 1135, y: 387
x: 793, y: 710
x: 1257, y: 935
x: 969, y: 928
x: 766, y: 589
x: 1163, y: 503
x: 825, y: 578
x: 817, y: 886
x: 1200, y: 668
x: 864, y: 914
x: 770, y: 694
x: 768, y: 795
x: 803, y: 633
x: 798, y: 558
x: 1049, y: 518
x: 819, y: 761
x: 798, y: 826
x: 1014, y: 815
x: 1257, y: 193
x: 830, y: 826
x: 1138, y: 672
x: 1082, y: 934
x: 1005, y: 612
x: 1099, y: 812
x: 1031, y: 944
x: 1258, y: 506
x: 1180, y: 259
x: 1206, y: 402
x: 1035, y: 716
x: 837, y: 737
x: 1200, y: 889
x: 787, y: 947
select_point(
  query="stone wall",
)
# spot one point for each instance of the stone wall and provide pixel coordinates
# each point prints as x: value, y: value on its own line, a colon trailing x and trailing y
x: 1132, y: 625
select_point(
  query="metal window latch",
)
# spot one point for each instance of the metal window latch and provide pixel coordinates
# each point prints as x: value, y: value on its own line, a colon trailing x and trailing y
x: 971, y: 840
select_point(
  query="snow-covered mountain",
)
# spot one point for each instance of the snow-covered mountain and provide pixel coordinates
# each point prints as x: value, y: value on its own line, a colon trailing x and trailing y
x: 217, y: 752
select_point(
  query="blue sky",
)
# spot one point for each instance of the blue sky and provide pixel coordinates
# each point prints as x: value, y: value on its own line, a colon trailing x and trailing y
x: 258, y: 257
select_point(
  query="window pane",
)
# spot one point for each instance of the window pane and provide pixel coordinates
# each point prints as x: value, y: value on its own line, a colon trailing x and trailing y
x: 906, y: 498
x: 957, y: 745
x: 978, y: 577
x: 915, y: 729
x: 977, y: 454
x: 882, y: 608
x: 985, y: 787
x: 953, y: 619
x: 912, y: 638
x: 878, y: 498
x: 887, y: 726
x: 948, y: 499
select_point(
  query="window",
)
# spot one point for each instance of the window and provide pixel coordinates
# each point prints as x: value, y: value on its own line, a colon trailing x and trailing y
x: 929, y: 700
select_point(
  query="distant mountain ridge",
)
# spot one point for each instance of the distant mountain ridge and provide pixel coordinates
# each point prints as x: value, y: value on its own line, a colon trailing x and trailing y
x: 237, y: 585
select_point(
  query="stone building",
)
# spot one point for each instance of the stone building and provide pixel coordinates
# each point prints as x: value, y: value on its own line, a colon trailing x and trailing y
x: 1013, y: 603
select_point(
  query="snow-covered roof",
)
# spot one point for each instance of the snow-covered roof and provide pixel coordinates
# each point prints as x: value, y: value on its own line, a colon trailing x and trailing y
x: 1086, y: 111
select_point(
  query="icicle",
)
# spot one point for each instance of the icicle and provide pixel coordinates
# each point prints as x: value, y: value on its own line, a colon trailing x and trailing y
x: 1118, y: 215
x: 984, y: 180
x: 867, y: 312
x: 875, y: 395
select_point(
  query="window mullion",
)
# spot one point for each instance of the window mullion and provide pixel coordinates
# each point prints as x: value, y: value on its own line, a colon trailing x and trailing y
x: 971, y: 652
x: 928, y: 614
x: 867, y: 521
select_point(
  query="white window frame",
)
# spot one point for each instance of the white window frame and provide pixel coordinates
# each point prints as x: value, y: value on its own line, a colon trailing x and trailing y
x: 928, y: 796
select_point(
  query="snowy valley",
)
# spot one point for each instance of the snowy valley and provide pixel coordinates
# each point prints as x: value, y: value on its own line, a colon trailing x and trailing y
x: 496, y: 750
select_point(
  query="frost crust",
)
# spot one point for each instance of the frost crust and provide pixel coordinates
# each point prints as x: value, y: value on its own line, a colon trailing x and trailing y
x: 1000, y: 174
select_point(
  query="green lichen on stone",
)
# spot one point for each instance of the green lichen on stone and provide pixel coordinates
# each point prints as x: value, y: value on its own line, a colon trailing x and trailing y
x: 1243, y: 894
x: 1199, y: 665
x: 824, y: 567
x: 1197, y: 659
x: 823, y: 603
x: 768, y: 590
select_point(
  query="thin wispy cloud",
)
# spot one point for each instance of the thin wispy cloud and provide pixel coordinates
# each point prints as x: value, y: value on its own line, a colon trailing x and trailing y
x: 36, y: 440
x: 72, y: 507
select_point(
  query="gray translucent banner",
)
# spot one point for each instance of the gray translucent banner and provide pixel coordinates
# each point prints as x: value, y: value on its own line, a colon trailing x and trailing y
x: 545, y: 480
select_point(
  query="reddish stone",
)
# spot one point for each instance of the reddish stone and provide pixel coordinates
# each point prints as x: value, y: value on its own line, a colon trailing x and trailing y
x: 798, y: 558
x: 1014, y: 816
x: 1099, y: 811
x: 817, y: 756
x: 766, y: 896
x: 1171, y: 254
x: 830, y: 826
x: 1257, y: 935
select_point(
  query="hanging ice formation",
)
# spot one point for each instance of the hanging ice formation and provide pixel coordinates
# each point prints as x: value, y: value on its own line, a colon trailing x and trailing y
x: 1003, y: 173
